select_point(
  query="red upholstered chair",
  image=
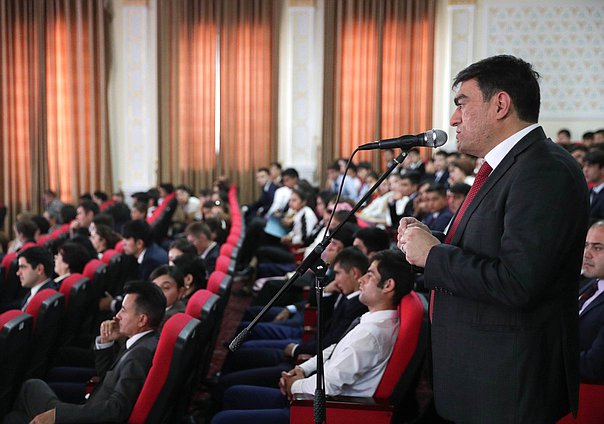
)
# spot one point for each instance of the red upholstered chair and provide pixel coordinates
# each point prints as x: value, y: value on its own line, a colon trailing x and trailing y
x: 43, y: 239
x: 227, y: 250
x: 591, y: 406
x: 160, y: 400
x: 95, y: 270
x: 203, y: 306
x: 46, y: 308
x: 401, y: 373
x: 108, y: 255
x: 161, y: 217
x: 15, y: 338
x: 79, y: 300
x: 233, y: 240
x: 222, y: 264
x: 119, y: 247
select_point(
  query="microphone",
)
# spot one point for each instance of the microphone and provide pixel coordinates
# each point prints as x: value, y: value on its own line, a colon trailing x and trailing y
x: 431, y: 138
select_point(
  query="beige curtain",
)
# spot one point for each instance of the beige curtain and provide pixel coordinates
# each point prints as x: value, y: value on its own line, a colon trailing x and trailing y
x: 187, y: 84
x: 196, y: 37
x: 378, y: 79
x: 53, y: 121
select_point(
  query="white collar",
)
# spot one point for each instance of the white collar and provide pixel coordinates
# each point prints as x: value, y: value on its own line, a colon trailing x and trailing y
x: 598, y: 188
x: 205, y: 252
x: 134, y: 338
x: 497, y: 153
x: 140, y: 257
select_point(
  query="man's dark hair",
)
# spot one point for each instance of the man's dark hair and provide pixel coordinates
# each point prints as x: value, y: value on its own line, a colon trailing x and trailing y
x: 374, y: 238
x: 68, y: 213
x: 365, y: 165
x: 141, y: 207
x: 167, y: 187
x: 184, y: 245
x: 414, y: 177
x: 290, y: 172
x: 263, y: 170
x: 89, y: 206
x: 565, y: 132
x: 510, y: 74
x: 140, y: 196
x: 101, y: 195
x: 575, y: 147
x: 341, y: 216
x: 74, y: 256
x: 198, y: 228
x: 138, y: 230
x: 37, y: 255
x: 437, y: 188
x: 84, y: 197
x: 171, y: 271
x: 460, y: 188
x: 392, y: 264
x: 351, y: 257
x: 42, y: 223
x: 153, y: 194
x: 218, y: 228
x: 595, y: 157
x: 104, y: 219
x: 28, y: 228
x: 276, y: 165
x: 150, y: 300
x: 186, y: 188
x: 441, y: 153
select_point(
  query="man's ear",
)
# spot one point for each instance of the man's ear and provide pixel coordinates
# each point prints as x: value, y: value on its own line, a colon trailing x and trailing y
x: 140, y: 245
x: 503, y: 102
x: 389, y: 285
x: 143, y: 321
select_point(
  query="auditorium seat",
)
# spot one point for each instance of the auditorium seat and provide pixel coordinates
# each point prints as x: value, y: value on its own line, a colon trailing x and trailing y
x: 108, y: 255
x: 160, y: 400
x: 46, y: 308
x: 397, y: 384
x: 161, y: 217
x: 95, y: 270
x: 591, y: 406
x: 203, y: 306
x: 15, y: 338
x: 78, y: 307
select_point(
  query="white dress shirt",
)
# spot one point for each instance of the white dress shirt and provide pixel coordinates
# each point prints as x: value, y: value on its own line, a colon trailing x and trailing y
x: 354, y: 366
x: 280, y: 201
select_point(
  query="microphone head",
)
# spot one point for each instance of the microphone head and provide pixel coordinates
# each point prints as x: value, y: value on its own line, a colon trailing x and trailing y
x: 435, y: 138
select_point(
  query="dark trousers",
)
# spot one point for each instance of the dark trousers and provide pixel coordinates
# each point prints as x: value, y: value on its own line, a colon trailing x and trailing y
x: 253, y: 405
x: 34, y: 398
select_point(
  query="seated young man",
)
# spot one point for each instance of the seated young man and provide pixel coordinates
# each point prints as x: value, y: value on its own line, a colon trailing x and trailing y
x: 353, y: 366
x: 122, y: 370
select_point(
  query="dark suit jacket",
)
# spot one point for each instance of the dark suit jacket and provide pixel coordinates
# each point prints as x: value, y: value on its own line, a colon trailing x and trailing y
x: 596, y: 210
x: 505, y: 321
x: 440, y: 222
x: 591, y: 339
x: 154, y: 257
x: 20, y: 303
x: 264, y: 202
x: 122, y: 380
x: 210, y: 259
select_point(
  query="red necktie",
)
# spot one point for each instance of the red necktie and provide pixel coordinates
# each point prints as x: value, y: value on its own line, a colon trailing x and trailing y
x: 481, y: 177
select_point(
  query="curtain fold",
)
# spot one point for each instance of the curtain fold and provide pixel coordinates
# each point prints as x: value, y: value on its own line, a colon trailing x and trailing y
x: 232, y: 42
x: 187, y: 64
x: 382, y: 73
x: 53, y: 106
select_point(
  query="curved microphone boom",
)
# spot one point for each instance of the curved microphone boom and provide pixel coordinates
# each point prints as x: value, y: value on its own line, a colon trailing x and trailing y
x: 430, y: 138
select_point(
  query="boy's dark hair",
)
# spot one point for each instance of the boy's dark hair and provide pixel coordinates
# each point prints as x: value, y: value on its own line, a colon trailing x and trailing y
x: 104, y: 219
x: 68, y: 213
x: 42, y: 224
x: 374, y: 238
x: 101, y: 195
x: 392, y: 264
x: 184, y: 245
x: 351, y: 257
x: 150, y: 300
x: 167, y: 187
x: 138, y: 230
x: 595, y: 157
x: 37, y: 255
x: 89, y: 206
x: 290, y: 172
x: 28, y: 228
x: 171, y: 271
x: 437, y: 188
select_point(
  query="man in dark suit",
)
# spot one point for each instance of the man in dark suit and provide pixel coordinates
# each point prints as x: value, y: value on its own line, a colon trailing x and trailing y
x: 200, y: 236
x: 505, y: 322
x: 138, y: 242
x: 123, y: 371
x: 261, y: 206
x: 35, y: 266
x: 439, y: 214
x: 593, y: 169
x: 591, y: 307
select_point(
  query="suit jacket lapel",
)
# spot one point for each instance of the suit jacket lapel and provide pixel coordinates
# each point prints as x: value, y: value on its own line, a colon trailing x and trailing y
x: 495, y: 176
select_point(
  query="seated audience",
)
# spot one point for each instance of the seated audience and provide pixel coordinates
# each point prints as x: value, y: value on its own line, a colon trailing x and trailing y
x: 122, y: 369
x: 200, y: 236
x: 456, y: 194
x: 138, y: 242
x: 353, y: 366
x: 178, y: 247
x: 594, y: 174
x: 371, y: 240
x: 439, y: 215
x: 35, y: 266
x: 102, y: 238
x: 70, y: 258
x: 171, y: 282
x: 194, y: 272
x: 591, y: 307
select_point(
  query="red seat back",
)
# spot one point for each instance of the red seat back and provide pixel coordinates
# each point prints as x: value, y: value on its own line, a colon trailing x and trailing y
x: 171, y: 366
x: 226, y: 250
x: 411, y: 314
x: 215, y: 281
x: 92, y: 267
x: 222, y: 264
x: 196, y: 303
x: 41, y: 301
x: 107, y: 255
x: 74, y: 280
x: 591, y: 406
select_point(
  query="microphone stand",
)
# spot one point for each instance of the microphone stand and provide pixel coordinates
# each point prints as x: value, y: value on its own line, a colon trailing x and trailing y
x: 314, y: 262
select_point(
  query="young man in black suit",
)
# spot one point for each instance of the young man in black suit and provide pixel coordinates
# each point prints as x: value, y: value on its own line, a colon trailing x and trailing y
x: 138, y: 242
x: 123, y: 370
x: 591, y: 307
x: 593, y: 169
x: 505, y: 324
